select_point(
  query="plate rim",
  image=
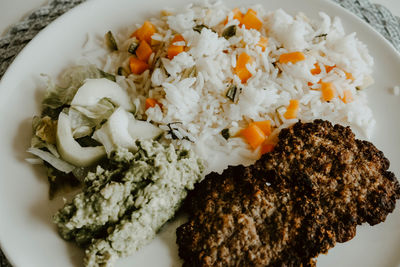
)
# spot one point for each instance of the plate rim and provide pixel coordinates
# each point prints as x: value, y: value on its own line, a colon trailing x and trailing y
x: 90, y: 3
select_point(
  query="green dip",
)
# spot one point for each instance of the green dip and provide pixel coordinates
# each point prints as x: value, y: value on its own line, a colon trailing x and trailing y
x: 125, y: 203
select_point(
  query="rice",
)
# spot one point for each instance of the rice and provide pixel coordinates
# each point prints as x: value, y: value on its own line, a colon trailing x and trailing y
x: 192, y: 86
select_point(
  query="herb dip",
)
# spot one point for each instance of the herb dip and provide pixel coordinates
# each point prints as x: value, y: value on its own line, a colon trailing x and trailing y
x: 125, y: 201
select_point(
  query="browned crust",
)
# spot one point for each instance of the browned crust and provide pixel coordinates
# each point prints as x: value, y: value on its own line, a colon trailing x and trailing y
x: 293, y: 204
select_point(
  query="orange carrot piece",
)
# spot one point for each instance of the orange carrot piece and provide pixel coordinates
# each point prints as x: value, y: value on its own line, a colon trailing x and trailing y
x: 144, y: 51
x: 329, y: 68
x: 151, y: 103
x: 251, y: 21
x: 328, y: 91
x: 253, y: 135
x: 265, y: 148
x: 237, y: 14
x: 177, y: 38
x: 155, y: 42
x: 262, y: 43
x: 293, y: 57
x: 243, y: 60
x: 243, y: 74
x: 240, y: 69
x: 145, y: 32
x: 347, y: 96
x: 265, y: 126
x: 174, y: 50
x: 137, y: 66
x: 316, y: 69
x: 311, y: 84
x: 291, y: 110
x: 349, y: 76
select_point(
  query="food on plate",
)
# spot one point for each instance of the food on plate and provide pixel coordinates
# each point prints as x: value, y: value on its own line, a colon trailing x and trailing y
x: 294, y: 203
x: 205, y: 72
x: 173, y: 98
x: 133, y: 180
x: 125, y: 201
x: 70, y: 150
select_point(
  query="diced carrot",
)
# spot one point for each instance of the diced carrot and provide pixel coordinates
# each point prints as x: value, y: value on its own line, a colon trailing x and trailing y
x: 265, y: 126
x: 347, y: 96
x: 137, y: 66
x: 145, y: 32
x: 155, y: 42
x: 290, y: 114
x: 328, y: 91
x: 177, y: 38
x: 316, y: 69
x: 237, y: 14
x: 262, y: 43
x: 329, y: 68
x: 151, y: 103
x: 251, y: 21
x: 174, y: 50
x: 265, y: 148
x: 291, y: 110
x: 311, y: 84
x: 144, y: 51
x: 240, y: 69
x: 293, y: 57
x: 243, y: 74
x: 253, y: 135
x: 349, y: 76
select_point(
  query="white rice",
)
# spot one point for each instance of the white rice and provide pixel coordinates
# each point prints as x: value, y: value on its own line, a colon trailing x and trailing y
x: 198, y: 102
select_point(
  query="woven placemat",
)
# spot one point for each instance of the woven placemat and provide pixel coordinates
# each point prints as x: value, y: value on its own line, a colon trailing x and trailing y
x: 21, y: 33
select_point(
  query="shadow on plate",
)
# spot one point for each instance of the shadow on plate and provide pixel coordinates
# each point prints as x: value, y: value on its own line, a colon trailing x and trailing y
x: 392, y: 221
x: 44, y: 208
x: 75, y: 254
x: 23, y: 135
x: 167, y: 235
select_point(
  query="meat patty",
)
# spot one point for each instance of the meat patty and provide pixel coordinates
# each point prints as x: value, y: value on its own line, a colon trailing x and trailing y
x: 294, y: 203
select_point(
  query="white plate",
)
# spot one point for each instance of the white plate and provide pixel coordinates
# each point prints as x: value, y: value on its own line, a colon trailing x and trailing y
x: 26, y: 233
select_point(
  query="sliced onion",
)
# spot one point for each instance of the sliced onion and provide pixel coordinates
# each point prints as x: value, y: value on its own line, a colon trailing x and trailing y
x: 34, y: 161
x: 57, y: 163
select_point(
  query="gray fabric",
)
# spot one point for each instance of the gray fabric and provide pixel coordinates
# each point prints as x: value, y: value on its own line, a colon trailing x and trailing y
x: 21, y: 33
x: 378, y: 17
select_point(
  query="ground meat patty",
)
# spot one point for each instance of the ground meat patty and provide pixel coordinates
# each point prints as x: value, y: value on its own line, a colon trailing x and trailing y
x: 294, y: 203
